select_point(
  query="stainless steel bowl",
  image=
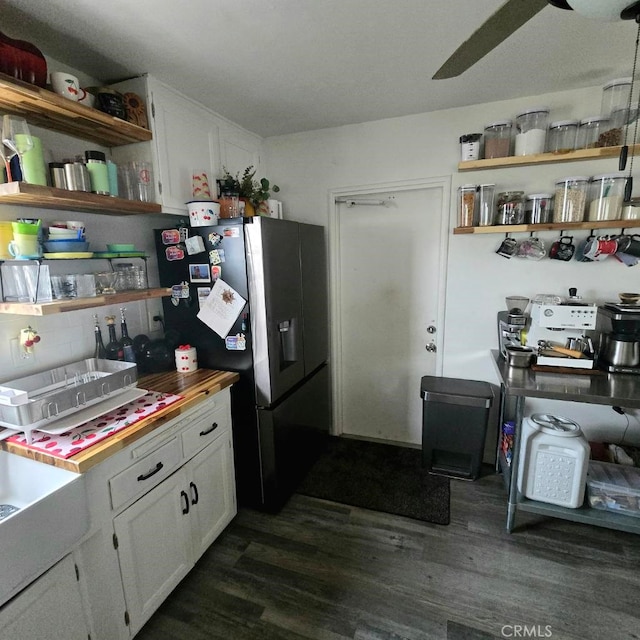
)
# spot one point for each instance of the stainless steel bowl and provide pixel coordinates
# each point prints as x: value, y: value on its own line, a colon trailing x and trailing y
x: 519, y: 357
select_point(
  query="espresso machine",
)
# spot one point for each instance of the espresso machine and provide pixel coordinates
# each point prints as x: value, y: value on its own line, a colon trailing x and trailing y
x: 618, y: 338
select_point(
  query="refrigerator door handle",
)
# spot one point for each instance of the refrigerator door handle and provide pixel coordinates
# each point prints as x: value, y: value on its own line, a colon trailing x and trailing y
x: 288, y: 350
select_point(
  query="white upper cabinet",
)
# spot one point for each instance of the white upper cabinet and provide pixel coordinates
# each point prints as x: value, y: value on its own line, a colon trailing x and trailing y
x: 187, y: 138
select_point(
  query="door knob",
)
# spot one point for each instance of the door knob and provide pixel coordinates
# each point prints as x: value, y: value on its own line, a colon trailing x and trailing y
x: 431, y: 347
x: 431, y: 329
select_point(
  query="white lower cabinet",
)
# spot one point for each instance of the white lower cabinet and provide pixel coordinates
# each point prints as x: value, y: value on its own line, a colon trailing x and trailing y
x: 50, y: 607
x: 161, y: 536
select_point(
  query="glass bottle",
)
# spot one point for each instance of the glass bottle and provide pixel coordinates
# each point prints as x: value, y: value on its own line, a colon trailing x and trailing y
x: 126, y: 343
x: 100, y: 351
x: 113, y: 349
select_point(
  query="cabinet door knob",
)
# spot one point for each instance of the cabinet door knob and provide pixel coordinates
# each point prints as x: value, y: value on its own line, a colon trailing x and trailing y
x: 194, y: 493
x: 183, y: 494
x: 213, y: 427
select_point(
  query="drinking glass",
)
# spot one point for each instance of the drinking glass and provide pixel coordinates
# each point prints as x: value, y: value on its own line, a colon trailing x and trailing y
x: 16, y: 139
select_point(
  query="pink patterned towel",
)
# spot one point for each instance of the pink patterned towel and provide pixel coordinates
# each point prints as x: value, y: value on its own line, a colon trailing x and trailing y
x: 86, y: 435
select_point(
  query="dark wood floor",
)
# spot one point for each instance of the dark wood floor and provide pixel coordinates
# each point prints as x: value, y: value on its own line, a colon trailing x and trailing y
x: 328, y: 571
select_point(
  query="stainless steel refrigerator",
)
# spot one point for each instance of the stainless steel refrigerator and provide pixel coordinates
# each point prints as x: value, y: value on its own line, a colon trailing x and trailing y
x: 279, y: 342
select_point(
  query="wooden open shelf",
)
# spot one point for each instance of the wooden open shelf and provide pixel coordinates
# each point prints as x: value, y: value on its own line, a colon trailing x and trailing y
x: 546, y: 158
x: 75, y: 304
x: 552, y: 226
x: 33, y: 195
x: 51, y: 111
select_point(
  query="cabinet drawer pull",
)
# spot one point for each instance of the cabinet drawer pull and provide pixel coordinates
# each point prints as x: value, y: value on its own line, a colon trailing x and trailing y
x: 151, y: 472
x: 213, y: 427
x: 194, y: 493
x: 183, y: 494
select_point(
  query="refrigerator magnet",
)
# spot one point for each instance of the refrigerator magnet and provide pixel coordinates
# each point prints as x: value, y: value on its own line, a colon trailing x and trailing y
x: 214, y: 238
x: 216, y: 256
x: 170, y: 236
x: 180, y: 292
x: 236, y: 343
x: 216, y: 272
x: 203, y: 294
x: 194, y: 244
x: 174, y: 253
x: 231, y: 232
x: 199, y: 273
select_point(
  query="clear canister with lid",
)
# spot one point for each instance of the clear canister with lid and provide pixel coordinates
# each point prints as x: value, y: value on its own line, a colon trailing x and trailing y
x: 570, y: 199
x: 470, y: 146
x: 497, y: 139
x: 615, y: 96
x: 510, y: 207
x: 590, y: 131
x: 562, y: 136
x: 538, y: 208
x: 466, y: 205
x: 606, y: 194
x: 531, y: 131
x: 484, y: 204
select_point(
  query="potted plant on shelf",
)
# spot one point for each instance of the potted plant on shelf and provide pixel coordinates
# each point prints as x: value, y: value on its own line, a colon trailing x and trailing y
x: 254, y: 193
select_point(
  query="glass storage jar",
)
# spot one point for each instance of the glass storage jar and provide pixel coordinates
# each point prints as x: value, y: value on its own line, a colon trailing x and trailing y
x: 466, y: 205
x: 484, y: 198
x: 570, y: 199
x: 562, y: 136
x: 538, y: 208
x: 497, y: 139
x: 590, y: 131
x: 510, y: 207
x: 531, y: 131
x: 606, y: 193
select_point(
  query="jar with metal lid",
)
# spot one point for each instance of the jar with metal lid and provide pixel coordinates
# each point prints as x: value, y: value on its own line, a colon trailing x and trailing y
x: 570, y: 199
x: 466, y: 205
x: 98, y: 173
x: 510, y: 207
x: 590, y: 131
x: 538, y: 208
x: 497, y: 139
x: 531, y: 131
x: 562, y: 136
x: 606, y: 193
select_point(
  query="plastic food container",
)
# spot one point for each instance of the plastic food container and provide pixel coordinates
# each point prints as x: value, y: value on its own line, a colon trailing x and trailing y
x: 538, y: 208
x: 510, y: 207
x: 485, y: 196
x: 554, y: 460
x: 631, y: 211
x: 614, y: 487
x: 531, y: 131
x: 497, y: 139
x: 470, y: 146
x: 562, y: 136
x: 590, y: 131
x: 466, y: 205
x: 615, y: 96
x: 606, y: 193
x: 570, y: 199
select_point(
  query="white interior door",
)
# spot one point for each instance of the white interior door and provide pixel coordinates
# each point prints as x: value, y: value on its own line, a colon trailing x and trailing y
x: 388, y: 274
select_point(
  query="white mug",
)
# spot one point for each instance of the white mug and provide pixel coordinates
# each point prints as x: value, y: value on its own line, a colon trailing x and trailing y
x: 66, y: 85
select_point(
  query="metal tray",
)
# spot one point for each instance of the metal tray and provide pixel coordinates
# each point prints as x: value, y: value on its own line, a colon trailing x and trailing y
x: 51, y: 394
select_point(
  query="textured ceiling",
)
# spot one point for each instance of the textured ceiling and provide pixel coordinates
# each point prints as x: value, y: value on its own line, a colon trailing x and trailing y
x: 283, y: 66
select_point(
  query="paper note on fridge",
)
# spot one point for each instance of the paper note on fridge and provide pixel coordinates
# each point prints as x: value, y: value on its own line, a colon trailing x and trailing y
x: 221, y: 308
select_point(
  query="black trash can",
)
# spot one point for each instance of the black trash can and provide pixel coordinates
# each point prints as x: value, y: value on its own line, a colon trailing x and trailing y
x: 455, y: 414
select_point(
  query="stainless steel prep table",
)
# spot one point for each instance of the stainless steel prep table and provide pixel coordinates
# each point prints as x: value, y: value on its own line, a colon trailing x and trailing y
x: 621, y: 390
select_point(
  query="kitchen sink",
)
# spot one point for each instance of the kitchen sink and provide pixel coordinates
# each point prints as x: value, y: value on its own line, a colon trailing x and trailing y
x: 43, y: 512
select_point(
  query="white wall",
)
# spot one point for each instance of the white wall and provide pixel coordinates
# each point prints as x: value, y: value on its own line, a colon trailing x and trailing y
x: 307, y: 166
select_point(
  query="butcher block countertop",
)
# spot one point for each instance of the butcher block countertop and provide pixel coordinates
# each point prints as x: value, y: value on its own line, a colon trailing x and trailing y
x: 194, y: 387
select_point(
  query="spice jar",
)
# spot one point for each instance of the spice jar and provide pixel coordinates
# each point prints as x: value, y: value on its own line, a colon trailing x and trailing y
x: 98, y: 173
x: 497, y: 139
x: 510, y: 207
x: 606, y: 193
x: 590, y: 131
x: 466, y: 205
x: 531, y: 131
x: 562, y: 136
x: 570, y: 199
x: 538, y: 208
x: 470, y: 146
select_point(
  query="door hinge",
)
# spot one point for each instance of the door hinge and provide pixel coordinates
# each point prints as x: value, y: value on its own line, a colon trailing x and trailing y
x: 115, y: 541
x: 77, y: 572
x: 127, y: 620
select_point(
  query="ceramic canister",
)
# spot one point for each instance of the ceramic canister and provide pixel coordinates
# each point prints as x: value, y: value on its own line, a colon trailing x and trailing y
x: 186, y: 358
x: 203, y: 213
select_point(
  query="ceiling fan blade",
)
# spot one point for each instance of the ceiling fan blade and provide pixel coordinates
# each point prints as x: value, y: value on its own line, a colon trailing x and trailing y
x: 510, y: 17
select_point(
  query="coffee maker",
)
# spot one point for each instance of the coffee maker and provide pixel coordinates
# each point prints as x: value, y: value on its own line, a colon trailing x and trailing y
x: 618, y: 338
x: 512, y: 323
